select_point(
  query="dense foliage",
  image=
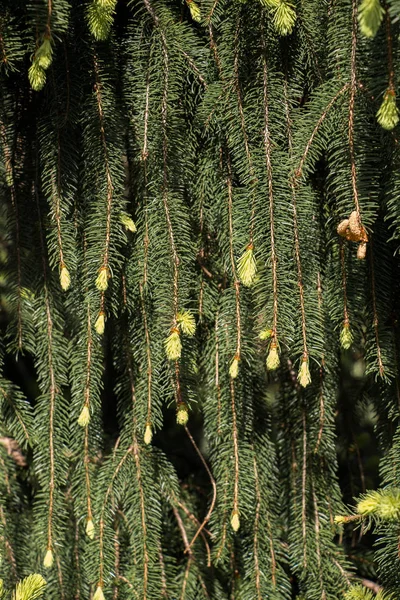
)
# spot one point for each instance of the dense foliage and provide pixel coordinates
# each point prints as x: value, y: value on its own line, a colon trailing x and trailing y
x: 200, y: 283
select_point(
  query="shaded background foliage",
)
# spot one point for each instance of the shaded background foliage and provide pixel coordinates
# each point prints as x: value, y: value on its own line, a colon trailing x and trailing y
x: 198, y: 372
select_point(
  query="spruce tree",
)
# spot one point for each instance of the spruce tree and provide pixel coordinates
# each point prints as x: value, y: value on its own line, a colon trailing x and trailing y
x: 200, y: 283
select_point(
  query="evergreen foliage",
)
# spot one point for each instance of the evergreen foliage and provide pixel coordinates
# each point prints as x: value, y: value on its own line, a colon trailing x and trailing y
x: 200, y: 225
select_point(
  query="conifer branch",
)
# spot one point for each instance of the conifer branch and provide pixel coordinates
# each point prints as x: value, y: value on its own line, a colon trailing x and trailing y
x: 342, y: 571
x: 272, y: 552
x: 214, y: 49
x: 185, y: 578
x: 55, y: 182
x: 86, y: 395
x: 116, y: 561
x: 175, y: 257
x: 293, y: 472
x: 221, y: 546
x: 213, y: 485
x: 267, y: 150
x: 381, y: 368
x: 321, y: 373
x: 235, y: 450
x: 165, y: 190
x: 182, y: 529
x: 9, y: 401
x: 210, y: 14
x: 60, y: 577
x: 391, y: 85
x: 52, y: 390
x: 148, y: 357
x: 68, y: 85
x: 236, y: 282
x: 145, y: 152
x: 49, y: 13
x: 51, y: 422
x: 87, y: 474
x: 299, y: 170
x: 318, y: 543
x: 296, y: 228
x: 109, y: 181
x: 14, y: 203
x: 217, y: 383
x: 256, y: 534
x: 244, y: 130
x: 102, y: 522
x: 321, y: 410
x: 201, y: 255
x: 189, y: 514
x: 203, y: 586
x: 304, y: 492
x: 346, y: 320
x: 135, y: 449
x: 76, y: 562
x: 353, y: 91
x: 143, y: 518
x: 146, y: 243
x: 57, y: 212
x: 132, y: 389
x: 164, y: 590
x: 195, y: 69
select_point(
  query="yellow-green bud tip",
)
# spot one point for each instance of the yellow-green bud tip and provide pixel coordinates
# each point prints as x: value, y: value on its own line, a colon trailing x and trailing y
x: 37, y: 77
x: 186, y: 322
x: 388, y: 113
x: 102, y: 279
x: 65, y: 278
x: 128, y: 222
x: 359, y: 592
x: 100, y: 17
x: 173, y: 345
x: 369, y: 504
x: 48, y: 559
x: 182, y: 414
x: 304, y: 376
x: 370, y: 15
x: 388, y: 511
x: 339, y: 519
x: 84, y: 417
x: 100, y: 323
x: 148, y: 434
x: 44, y: 53
x: 273, y: 358
x: 265, y: 334
x: 389, y: 505
x: 98, y: 595
x: 247, y: 267
x: 29, y: 588
x: 194, y: 10
x: 235, y: 521
x: 284, y: 18
x: 9, y: 175
x: 107, y: 4
x: 90, y: 529
x: 346, y: 337
x: 234, y: 368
